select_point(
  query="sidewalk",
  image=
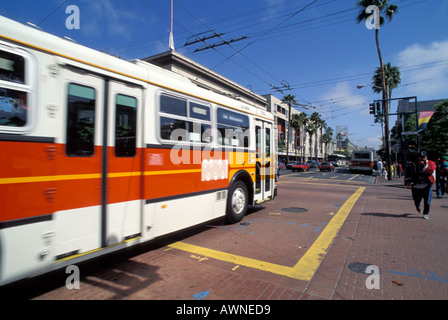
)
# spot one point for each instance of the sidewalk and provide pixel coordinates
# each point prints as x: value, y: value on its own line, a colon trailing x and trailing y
x: 386, y: 231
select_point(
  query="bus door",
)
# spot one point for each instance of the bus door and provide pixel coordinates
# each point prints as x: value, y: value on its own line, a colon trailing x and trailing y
x: 99, y: 190
x: 78, y: 190
x: 264, y: 170
x: 122, y: 169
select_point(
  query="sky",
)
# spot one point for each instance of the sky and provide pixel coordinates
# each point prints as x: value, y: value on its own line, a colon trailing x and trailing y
x: 312, y: 49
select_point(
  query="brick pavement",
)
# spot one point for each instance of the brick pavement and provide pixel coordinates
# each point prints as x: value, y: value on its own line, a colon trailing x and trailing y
x: 383, y: 229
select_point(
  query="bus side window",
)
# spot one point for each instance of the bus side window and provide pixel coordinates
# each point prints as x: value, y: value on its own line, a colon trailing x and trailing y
x: 174, y: 125
x: 80, y: 121
x: 125, y: 126
x: 233, y: 128
x: 15, y: 92
x: 184, y: 120
x: 268, y: 143
x: 257, y: 141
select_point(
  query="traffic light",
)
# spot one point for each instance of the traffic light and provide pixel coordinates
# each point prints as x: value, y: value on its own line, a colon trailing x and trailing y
x: 372, y: 108
x: 378, y: 108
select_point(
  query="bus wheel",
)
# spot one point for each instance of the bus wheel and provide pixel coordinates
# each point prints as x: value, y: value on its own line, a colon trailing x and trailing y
x: 237, y: 202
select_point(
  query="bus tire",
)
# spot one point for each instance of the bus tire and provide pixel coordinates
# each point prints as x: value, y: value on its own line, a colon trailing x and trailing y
x: 237, y: 202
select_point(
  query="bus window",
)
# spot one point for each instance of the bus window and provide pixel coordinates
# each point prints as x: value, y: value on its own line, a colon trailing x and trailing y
x: 14, y: 91
x: 169, y: 129
x: 173, y: 106
x: 12, y: 67
x: 268, y: 143
x: 80, y: 121
x: 199, y: 111
x: 233, y: 128
x: 199, y: 131
x: 125, y: 126
x: 184, y: 120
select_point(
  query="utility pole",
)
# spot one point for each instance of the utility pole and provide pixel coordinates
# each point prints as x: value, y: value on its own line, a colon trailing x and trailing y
x: 385, y: 104
x: 384, y: 112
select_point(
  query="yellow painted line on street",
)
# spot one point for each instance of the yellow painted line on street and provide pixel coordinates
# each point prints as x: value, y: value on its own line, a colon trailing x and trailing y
x: 305, y: 267
x: 323, y: 184
x: 319, y: 179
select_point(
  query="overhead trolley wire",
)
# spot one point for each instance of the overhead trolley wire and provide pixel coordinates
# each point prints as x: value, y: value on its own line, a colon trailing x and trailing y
x: 269, y: 31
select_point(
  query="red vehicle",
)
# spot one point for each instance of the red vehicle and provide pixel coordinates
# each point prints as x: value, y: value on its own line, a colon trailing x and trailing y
x: 326, y: 166
x: 300, y: 166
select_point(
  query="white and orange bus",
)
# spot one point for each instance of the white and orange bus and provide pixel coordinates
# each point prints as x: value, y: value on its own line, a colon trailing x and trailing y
x: 98, y: 153
x: 362, y: 160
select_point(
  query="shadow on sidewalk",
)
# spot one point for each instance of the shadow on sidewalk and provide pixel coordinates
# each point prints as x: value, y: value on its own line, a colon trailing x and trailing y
x: 391, y: 215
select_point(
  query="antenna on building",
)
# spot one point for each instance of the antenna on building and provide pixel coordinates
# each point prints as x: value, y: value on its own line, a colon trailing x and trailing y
x: 171, y: 30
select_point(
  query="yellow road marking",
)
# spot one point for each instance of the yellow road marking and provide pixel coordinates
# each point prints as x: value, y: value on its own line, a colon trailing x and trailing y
x: 305, y: 267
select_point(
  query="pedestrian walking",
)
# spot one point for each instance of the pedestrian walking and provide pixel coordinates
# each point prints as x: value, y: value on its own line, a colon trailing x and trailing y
x: 379, y: 167
x: 399, y: 169
x: 421, y: 176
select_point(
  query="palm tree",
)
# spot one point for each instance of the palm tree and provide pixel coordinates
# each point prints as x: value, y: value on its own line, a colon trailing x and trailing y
x: 327, y: 138
x: 295, y: 123
x: 389, y: 11
x: 393, y: 79
x: 339, y: 137
x: 290, y: 100
x: 318, y: 123
x: 311, y: 130
x: 384, y: 8
x: 302, y: 119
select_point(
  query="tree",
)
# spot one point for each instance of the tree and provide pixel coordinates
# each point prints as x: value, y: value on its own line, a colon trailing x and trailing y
x: 389, y: 11
x: 290, y: 100
x: 339, y: 137
x: 434, y: 140
x: 327, y: 138
x: 311, y: 130
x: 318, y: 123
x: 393, y: 79
x: 300, y: 121
x: 296, y: 125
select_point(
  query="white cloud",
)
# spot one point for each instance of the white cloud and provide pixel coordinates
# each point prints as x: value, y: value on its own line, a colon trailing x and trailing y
x: 341, y: 99
x: 340, y: 105
x: 106, y: 17
x: 424, y: 70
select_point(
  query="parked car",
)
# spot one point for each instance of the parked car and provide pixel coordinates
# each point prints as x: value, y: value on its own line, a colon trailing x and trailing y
x: 326, y: 166
x: 300, y: 166
x: 289, y: 165
x: 312, y: 163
